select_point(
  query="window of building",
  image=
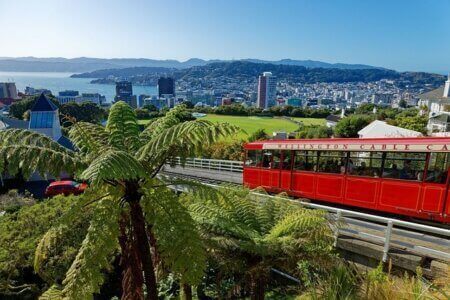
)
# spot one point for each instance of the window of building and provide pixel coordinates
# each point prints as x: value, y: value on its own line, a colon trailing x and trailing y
x: 287, y: 160
x: 41, y: 119
x: 332, y: 161
x: 305, y: 160
x: 437, y: 168
x: 266, y: 158
x: 253, y: 158
x: 365, y: 164
x: 406, y: 166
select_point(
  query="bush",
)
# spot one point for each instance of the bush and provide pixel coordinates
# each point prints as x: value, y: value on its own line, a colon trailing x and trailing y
x: 348, y: 127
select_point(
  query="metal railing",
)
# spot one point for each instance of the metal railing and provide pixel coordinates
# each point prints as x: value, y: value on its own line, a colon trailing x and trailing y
x: 211, y: 164
x: 387, y: 227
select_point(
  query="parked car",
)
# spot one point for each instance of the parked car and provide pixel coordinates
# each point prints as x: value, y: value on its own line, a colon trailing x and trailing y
x: 65, y: 187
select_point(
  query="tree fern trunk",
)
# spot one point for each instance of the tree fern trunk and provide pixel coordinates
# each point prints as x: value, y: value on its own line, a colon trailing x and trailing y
x: 143, y: 245
x: 132, y: 279
x: 257, y: 288
x: 186, y: 291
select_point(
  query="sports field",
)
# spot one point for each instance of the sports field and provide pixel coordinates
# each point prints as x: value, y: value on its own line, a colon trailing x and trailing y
x: 251, y: 124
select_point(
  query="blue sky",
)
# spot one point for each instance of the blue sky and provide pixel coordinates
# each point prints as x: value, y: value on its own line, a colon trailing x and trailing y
x: 398, y: 34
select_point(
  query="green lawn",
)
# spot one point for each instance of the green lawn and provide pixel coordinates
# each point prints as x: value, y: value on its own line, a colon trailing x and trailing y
x: 251, y: 124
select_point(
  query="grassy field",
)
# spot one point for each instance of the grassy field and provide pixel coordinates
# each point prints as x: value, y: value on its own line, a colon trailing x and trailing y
x: 251, y: 124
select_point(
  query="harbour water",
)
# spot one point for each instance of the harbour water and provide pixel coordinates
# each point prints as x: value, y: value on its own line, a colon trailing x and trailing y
x: 56, y: 82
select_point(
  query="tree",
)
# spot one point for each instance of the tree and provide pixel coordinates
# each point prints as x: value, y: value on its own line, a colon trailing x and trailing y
x: 348, y: 127
x: 82, y: 112
x: 17, y: 109
x: 120, y: 163
x: 417, y: 123
x: 402, y: 103
x: 251, y: 236
x: 314, y: 132
x: 259, y: 134
x: 20, y: 232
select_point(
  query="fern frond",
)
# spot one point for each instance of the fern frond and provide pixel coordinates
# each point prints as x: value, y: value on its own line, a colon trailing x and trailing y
x: 14, y: 137
x: 183, y: 140
x: 115, y: 166
x: 85, y: 277
x: 178, y: 240
x: 89, y: 138
x: 123, y: 127
x: 157, y: 126
x: 28, y: 159
x: 53, y: 293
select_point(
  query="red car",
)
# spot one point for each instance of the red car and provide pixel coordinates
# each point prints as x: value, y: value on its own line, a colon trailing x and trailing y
x: 65, y: 187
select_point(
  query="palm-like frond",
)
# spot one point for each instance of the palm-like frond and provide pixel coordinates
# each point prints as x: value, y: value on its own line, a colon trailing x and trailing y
x: 178, y: 240
x: 13, y: 137
x: 157, y: 126
x: 85, y: 277
x: 29, y: 159
x: 260, y: 226
x: 89, y: 138
x: 183, y: 140
x: 53, y: 293
x: 113, y: 165
x: 123, y: 127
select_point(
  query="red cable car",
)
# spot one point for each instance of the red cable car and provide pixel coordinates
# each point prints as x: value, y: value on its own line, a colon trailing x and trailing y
x: 402, y: 176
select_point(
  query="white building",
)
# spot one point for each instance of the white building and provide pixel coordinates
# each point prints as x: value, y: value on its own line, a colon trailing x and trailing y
x: 380, y: 129
x: 267, y: 90
x: 44, y: 118
x: 438, y: 103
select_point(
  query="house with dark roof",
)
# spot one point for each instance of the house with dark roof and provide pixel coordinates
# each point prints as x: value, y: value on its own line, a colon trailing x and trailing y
x: 332, y: 120
x: 44, y: 119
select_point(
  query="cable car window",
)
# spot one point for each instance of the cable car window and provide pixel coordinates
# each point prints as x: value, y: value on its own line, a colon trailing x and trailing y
x: 276, y: 159
x: 365, y: 164
x: 406, y: 166
x: 305, y: 160
x: 253, y: 158
x: 287, y: 158
x: 437, y: 168
x: 332, y: 161
x: 266, y: 159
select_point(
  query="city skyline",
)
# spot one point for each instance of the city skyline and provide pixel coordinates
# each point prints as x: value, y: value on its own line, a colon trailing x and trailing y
x: 404, y: 35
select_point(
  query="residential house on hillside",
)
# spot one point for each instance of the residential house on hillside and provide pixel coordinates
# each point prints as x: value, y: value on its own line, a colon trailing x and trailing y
x: 438, y: 103
x: 44, y: 118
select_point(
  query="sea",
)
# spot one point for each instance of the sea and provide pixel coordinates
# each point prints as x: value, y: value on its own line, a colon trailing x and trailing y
x: 57, y: 82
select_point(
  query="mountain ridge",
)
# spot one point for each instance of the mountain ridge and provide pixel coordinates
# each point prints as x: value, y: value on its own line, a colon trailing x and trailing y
x: 89, y: 64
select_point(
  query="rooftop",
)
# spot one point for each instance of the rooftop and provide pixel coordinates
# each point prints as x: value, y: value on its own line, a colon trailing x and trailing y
x: 437, y: 94
x: 43, y: 104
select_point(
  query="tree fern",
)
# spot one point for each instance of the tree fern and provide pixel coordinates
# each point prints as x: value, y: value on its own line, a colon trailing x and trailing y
x: 85, y: 277
x: 122, y: 127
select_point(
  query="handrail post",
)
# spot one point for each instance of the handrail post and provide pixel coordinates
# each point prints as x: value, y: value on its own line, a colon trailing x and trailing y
x: 336, y: 227
x: 387, y: 240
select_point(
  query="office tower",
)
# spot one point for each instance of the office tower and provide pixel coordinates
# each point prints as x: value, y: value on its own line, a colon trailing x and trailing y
x: 266, y: 90
x: 166, y: 87
x: 8, y: 90
x: 124, y: 92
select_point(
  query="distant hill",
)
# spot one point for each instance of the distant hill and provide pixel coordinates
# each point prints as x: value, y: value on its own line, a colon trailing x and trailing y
x: 249, y: 71
x: 87, y: 64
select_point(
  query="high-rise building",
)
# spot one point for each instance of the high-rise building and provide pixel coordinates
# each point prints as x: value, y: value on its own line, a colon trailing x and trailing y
x: 447, y: 88
x: 124, y: 92
x: 166, y: 87
x: 8, y: 90
x: 267, y: 90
